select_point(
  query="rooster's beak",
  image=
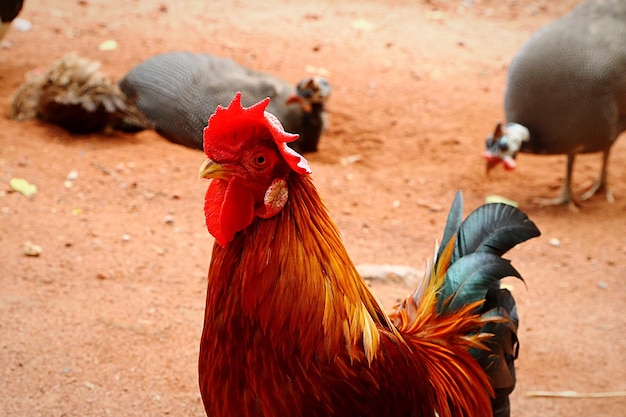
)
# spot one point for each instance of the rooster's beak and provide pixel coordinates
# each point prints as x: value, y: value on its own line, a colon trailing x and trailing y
x: 211, y: 169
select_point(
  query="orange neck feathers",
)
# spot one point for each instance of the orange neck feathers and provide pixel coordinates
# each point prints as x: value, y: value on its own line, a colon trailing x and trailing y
x: 285, y: 305
x: 291, y: 276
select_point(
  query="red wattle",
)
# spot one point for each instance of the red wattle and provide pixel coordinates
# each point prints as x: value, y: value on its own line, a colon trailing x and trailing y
x: 228, y: 209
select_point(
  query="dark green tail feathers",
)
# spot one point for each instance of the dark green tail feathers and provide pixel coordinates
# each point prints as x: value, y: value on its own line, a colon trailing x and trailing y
x: 476, y: 264
x: 474, y: 273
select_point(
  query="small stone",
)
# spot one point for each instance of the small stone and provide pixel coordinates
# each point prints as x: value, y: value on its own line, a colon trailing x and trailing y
x: 125, y: 237
x: 555, y: 242
x: 108, y: 45
x: 72, y: 175
x: 348, y: 160
x: 30, y: 249
x: 499, y: 199
x: 386, y: 272
x: 22, y: 25
x: 169, y: 219
x: 603, y: 285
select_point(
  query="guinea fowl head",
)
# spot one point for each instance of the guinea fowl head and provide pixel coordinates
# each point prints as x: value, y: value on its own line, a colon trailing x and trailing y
x: 504, y: 144
x: 311, y: 91
x: 249, y: 163
x: 310, y: 116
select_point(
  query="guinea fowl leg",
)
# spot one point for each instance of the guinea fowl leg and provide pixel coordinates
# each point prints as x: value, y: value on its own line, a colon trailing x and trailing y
x: 565, y: 197
x: 601, y: 184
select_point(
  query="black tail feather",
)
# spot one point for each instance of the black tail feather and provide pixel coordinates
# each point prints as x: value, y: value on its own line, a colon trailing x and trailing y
x: 475, y: 270
x: 498, y: 361
x: 476, y: 264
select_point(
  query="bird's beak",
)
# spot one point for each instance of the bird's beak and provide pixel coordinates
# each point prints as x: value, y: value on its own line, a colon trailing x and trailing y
x: 492, y: 160
x: 296, y: 99
x: 211, y: 169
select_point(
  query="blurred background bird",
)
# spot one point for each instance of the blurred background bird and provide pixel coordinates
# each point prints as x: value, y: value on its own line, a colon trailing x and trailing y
x: 566, y: 93
x: 178, y: 91
x: 9, y: 9
x: 291, y: 328
x: 74, y: 94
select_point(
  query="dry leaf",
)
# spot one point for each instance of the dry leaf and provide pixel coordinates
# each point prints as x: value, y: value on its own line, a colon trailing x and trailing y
x: 108, y: 45
x: 362, y: 24
x: 22, y: 186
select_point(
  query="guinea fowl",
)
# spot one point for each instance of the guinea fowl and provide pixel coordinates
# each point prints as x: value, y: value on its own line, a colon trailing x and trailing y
x: 566, y: 93
x: 74, y: 94
x: 178, y: 91
x: 9, y: 9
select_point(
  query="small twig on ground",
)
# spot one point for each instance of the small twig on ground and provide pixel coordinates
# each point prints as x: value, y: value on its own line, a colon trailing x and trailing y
x: 104, y: 169
x: 575, y: 394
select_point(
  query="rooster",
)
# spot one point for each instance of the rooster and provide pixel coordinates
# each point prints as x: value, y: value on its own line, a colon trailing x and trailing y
x: 290, y: 327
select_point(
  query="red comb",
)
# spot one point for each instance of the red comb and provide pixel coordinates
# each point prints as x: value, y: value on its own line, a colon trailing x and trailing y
x: 227, y: 120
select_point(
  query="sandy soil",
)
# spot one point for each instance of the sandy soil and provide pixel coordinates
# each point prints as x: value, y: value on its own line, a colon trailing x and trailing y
x: 106, y: 321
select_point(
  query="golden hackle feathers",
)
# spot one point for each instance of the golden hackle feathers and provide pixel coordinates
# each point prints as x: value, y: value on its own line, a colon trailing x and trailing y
x: 332, y: 292
x: 350, y: 308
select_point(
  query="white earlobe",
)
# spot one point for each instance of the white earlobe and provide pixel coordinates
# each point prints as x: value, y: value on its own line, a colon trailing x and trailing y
x: 275, y: 199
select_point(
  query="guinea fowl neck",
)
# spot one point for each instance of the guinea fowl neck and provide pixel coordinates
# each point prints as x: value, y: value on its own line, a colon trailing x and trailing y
x: 313, y: 125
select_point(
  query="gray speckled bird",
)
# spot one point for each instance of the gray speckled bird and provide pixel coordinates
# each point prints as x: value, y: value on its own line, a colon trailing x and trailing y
x: 566, y: 92
x: 178, y: 91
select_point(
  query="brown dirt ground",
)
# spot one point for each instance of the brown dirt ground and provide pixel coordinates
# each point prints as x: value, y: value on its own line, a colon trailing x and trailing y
x: 101, y: 325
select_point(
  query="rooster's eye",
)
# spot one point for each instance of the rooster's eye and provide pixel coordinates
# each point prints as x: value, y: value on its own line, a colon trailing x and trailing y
x: 260, y: 161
